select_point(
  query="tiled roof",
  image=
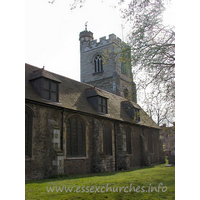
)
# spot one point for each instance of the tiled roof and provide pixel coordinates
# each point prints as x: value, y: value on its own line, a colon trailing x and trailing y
x: 43, y: 73
x: 73, y: 95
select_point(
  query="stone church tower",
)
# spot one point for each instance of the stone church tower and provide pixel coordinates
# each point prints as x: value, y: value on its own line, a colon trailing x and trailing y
x: 111, y: 75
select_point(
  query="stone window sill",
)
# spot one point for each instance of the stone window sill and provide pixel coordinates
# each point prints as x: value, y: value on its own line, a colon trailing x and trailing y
x: 101, y: 72
x: 105, y: 114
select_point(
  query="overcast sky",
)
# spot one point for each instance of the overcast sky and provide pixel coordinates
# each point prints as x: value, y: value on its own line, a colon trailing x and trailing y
x: 52, y: 31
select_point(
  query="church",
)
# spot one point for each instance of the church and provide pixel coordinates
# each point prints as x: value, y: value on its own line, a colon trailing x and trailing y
x: 90, y: 126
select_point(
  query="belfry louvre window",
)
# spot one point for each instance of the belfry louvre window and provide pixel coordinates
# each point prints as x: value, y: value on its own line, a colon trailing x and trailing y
x: 102, y: 104
x: 50, y: 90
x: 76, y: 139
x: 107, y: 139
x: 128, y: 140
x: 98, y: 64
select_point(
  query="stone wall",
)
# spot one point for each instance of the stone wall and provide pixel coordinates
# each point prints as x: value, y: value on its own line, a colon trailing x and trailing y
x: 40, y: 164
x: 48, y: 158
x: 87, y: 64
x: 77, y: 166
x: 111, y: 78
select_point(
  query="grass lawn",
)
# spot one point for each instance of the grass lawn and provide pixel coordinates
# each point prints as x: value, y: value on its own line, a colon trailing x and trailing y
x: 130, y: 184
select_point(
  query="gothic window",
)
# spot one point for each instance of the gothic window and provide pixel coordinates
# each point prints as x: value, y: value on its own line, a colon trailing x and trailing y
x: 98, y: 64
x: 50, y: 90
x: 128, y: 140
x: 76, y: 139
x: 102, y: 104
x: 107, y: 139
x: 123, y: 68
x: 150, y: 141
x: 28, y: 133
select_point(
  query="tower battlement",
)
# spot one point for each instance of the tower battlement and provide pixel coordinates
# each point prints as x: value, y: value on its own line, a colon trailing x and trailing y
x: 93, y: 44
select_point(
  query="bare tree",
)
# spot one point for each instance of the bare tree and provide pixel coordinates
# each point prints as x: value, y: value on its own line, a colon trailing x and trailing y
x: 153, y: 57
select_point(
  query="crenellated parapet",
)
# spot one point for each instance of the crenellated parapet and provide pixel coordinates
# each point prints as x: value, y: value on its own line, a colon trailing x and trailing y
x: 93, y: 44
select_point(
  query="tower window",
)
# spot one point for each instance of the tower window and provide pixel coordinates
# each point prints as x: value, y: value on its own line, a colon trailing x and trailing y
x: 98, y: 65
x: 123, y: 68
x: 126, y: 93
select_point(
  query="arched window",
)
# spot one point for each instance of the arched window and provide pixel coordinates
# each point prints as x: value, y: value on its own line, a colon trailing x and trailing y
x: 76, y: 139
x: 123, y: 68
x: 128, y: 140
x: 28, y: 132
x: 107, y: 139
x: 98, y: 64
